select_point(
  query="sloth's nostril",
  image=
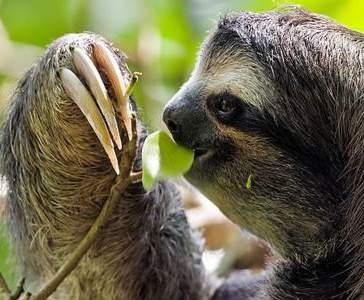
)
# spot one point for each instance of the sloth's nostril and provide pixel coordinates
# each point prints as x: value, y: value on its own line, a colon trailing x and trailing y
x: 171, y: 120
x: 172, y: 126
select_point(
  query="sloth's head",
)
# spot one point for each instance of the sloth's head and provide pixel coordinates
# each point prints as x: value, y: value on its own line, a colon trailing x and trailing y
x: 262, y: 105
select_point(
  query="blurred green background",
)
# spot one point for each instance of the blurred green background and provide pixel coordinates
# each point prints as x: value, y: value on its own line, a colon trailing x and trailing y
x: 161, y: 38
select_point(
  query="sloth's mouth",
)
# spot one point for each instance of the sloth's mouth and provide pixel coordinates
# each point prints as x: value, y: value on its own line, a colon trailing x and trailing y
x: 202, y: 154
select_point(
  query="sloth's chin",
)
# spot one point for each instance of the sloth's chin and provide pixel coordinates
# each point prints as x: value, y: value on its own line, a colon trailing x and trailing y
x: 202, y: 160
x: 203, y: 166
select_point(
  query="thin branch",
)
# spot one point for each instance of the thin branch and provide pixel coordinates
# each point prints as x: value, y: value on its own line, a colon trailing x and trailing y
x: 4, y: 288
x: 132, y: 84
x: 122, y: 182
x: 19, y: 290
x: 27, y: 296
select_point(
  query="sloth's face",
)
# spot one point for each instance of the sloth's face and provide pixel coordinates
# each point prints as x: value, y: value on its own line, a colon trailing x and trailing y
x: 253, y: 164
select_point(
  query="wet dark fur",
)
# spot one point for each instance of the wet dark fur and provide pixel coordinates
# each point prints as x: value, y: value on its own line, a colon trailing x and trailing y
x: 304, y: 147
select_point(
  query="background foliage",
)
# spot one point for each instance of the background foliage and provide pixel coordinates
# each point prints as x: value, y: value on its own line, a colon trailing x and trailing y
x: 161, y: 38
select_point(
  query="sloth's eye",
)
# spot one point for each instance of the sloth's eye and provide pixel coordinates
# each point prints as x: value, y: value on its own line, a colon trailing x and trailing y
x: 225, y: 106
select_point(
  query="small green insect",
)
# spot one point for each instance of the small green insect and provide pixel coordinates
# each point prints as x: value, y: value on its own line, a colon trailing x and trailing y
x: 248, y: 183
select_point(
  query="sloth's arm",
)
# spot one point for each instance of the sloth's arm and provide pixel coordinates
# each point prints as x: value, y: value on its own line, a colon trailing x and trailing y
x: 58, y: 175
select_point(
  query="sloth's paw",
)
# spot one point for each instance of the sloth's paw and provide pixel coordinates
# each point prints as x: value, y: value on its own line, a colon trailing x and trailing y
x: 93, y: 96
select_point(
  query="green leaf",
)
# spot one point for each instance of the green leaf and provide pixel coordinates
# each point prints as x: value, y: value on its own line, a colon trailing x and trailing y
x: 163, y: 158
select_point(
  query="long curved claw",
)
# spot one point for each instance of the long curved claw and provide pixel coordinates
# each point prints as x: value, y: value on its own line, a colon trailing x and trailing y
x: 80, y: 95
x: 107, y: 62
x: 87, y: 69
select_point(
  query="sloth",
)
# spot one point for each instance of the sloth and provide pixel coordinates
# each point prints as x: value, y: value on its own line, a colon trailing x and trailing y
x: 274, y: 99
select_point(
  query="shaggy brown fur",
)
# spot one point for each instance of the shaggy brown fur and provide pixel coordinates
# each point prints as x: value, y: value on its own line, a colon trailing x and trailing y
x: 278, y: 96
x: 58, y: 177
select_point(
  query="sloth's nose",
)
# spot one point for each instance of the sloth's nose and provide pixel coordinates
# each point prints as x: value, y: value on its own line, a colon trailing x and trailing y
x: 186, y: 120
x: 170, y: 118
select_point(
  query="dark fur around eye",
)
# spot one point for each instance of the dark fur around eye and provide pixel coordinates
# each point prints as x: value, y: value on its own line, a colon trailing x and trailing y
x: 235, y: 112
x: 248, y: 118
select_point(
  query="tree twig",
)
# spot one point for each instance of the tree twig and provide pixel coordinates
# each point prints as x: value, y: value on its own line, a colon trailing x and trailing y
x: 122, y: 182
x: 4, y: 288
x: 132, y: 84
x: 19, y: 290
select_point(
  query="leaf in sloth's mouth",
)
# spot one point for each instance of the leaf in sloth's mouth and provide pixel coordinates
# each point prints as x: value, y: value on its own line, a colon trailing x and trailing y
x: 163, y: 158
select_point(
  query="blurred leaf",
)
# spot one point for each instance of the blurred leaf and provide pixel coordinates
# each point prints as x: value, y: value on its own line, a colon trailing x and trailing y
x: 2, y: 78
x: 351, y: 13
x: 41, y: 21
x: 163, y: 158
x: 7, y: 263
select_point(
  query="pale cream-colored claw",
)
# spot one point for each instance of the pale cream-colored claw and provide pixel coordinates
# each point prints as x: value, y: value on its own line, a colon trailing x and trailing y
x: 107, y: 62
x: 81, y: 96
x: 87, y: 69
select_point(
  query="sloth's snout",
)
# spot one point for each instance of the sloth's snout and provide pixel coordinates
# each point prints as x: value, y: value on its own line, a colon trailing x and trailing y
x: 187, y: 120
x: 180, y: 120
